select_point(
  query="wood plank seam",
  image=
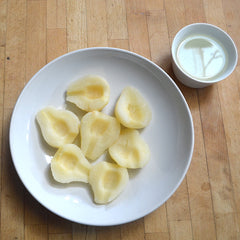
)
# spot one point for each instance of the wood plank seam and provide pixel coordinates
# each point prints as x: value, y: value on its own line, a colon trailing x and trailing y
x: 168, y: 225
x: 3, y: 25
x: 198, y: 98
x: 15, y: 49
x: 146, y: 15
x: 5, y: 37
x: 96, y: 24
x: 215, y: 202
x: 87, y: 22
x: 127, y: 23
x: 229, y: 91
x: 169, y: 36
x: 189, y: 207
x: 65, y: 10
x: 27, y: 78
x: 114, y: 29
x: 228, y: 162
x: 76, y: 39
x: 2, y: 117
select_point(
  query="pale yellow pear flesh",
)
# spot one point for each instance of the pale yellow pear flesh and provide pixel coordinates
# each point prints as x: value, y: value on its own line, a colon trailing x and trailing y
x: 58, y: 126
x: 107, y: 180
x: 98, y: 132
x: 89, y: 93
x: 130, y: 150
x: 70, y: 165
x: 132, y: 110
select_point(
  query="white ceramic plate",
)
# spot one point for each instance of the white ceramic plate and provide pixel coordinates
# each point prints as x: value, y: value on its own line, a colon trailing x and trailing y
x: 169, y: 135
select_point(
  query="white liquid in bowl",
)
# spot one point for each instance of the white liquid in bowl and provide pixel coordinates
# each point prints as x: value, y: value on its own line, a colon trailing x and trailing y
x: 202, y: 57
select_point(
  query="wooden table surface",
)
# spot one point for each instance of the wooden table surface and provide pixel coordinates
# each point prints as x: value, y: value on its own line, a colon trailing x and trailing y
x: 34, y: 32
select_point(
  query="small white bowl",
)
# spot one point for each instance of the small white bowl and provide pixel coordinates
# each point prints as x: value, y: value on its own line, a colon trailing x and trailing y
x: 203, y: 54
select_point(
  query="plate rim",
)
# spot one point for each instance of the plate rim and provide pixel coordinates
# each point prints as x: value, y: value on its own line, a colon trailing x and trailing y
x: 111, y: 49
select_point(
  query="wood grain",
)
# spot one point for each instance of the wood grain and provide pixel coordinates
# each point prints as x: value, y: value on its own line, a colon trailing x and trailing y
x: 34, y: 32
x: 176, y: 17
x: 2, y: 61
x: 36, y: 232
x: 180, y: 230
x: 56, y: 14
x: 156, y: 221
x: 36, y: 35
x: 194, y: 11
x: 12, y: 191
x: 230, y: 10
x: 108, y: 233
x: 230, y: 113
x: 138, y: 36
x: 56, y: 43
x: 79, y: 231
x: 157, y: 236
x: 199, y: 190
x: 76, y: 25
x: 3, y: 22
x: 96, y: 23
x: 116, y: 19
x: 64, y: 236
x: 118, y: 43
x: 218, y: 165
x: 133, y: 230
x: 154, y: 5
x: 158, y: 39
x: 2, y: 73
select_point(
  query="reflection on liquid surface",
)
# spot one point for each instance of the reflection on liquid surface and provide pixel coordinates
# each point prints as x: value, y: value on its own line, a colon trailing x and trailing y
x: 201, y: 57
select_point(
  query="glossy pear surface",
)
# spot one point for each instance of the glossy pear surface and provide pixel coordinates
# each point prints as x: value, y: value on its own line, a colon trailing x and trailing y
x: 130, y: 150
x: 89, y: 93
x: 69, y: 164
x: 107, y: 180
x: 98, y: 132
x: 132, y: 110
x: 58, y: 126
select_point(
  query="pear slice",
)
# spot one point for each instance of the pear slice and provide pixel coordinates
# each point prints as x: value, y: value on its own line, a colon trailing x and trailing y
x: 89, y: 93
x: 58, y: 126
x: 107, y: 180
x: 130, y: 150
x: 69, y: 164
x: 132, y: 110
x: 98, y: 132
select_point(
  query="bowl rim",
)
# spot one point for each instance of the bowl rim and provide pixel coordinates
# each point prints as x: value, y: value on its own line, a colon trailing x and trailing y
x: 132, y: 55
x: 192, y: 78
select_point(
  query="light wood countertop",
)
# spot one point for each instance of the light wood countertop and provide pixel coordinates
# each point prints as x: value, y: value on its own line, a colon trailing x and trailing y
x: 34, y: 32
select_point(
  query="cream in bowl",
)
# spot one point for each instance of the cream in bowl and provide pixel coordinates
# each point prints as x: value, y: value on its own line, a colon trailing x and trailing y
x: 203, y: 54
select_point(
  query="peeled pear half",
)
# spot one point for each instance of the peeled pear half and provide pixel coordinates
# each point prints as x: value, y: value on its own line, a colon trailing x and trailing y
x: 132, y: 110
x: 89, y: 93
x: 130, y: 150
x: 98, y: 132
x: 69, y: 164
x: 107, y: 180
x: 58, y: 126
